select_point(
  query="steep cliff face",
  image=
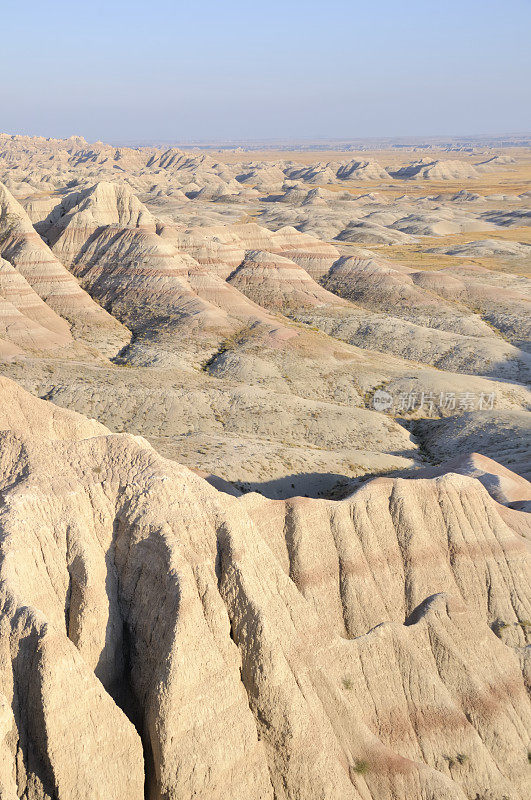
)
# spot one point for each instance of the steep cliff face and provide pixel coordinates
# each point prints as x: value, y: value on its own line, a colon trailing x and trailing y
x: 154, y: 628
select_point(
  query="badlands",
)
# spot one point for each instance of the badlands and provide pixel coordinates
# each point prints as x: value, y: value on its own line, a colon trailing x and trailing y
x: 264, y: 463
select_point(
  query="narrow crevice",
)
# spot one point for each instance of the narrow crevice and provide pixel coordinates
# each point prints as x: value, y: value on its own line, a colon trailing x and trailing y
x: 123, y: 692
x: 67, y: 604
x: 125, y: 698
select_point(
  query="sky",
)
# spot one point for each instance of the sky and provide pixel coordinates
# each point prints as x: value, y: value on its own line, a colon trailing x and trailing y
x: 172, y: 71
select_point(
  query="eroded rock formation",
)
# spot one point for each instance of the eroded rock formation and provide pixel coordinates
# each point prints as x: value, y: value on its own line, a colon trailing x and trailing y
x: 242, y: 647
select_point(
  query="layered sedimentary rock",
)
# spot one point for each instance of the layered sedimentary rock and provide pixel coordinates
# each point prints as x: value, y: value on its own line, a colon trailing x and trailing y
x: 276, y: 282
x: 259, y: 649
x: 167, y: 636
x: 24, y: 249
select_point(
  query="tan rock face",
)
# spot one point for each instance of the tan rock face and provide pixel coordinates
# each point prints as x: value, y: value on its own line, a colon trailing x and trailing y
x: 28, y: 254
x: 278, y: 283
x: 262, y: 649
x: 103, y: 204
x: 501, y: 483
x: 15, y: 289
x: 21, y: 412
x: 26, y: 321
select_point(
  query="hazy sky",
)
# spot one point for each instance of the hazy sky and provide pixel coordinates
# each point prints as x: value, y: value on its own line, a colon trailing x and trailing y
x: 167, y: 70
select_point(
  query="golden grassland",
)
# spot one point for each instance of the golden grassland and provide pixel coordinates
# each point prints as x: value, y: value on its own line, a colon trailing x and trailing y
x: 511, y: 179
x: 386, y: 157
x: 504, y: 179
x: 416, y: 257
x: 515, y: 179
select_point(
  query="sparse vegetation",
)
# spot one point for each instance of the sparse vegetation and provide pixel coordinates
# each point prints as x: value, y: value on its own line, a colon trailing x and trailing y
x: 459, y: 758
x: 230, y: 343
x: 498, y: 626
x: 10, y: 222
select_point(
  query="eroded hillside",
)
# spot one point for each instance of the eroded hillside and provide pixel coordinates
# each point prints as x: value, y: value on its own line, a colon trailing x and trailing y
x: 206, y: 359
x: 245, y: 647
x: 242, y: 315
